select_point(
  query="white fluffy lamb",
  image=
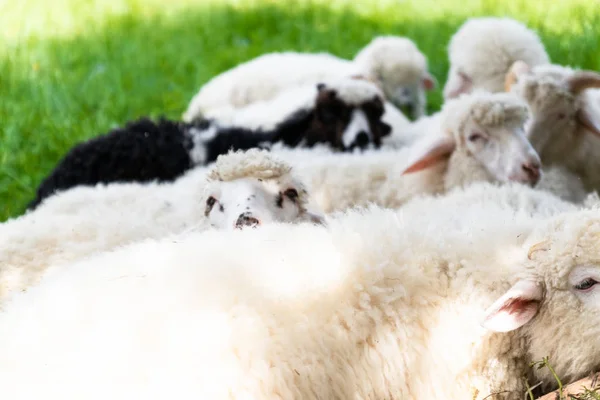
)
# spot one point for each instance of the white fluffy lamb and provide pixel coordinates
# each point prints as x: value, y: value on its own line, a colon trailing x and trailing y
x: 565, y: 116
x: 482, y: 51
x: 242, y: 189
x: 380, y: 304
x: 394, y: 63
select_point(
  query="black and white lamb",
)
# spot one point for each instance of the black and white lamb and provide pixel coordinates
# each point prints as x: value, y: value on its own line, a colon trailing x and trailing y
x: 345, y: 117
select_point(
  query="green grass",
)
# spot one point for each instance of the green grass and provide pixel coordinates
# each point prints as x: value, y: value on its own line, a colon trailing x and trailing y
x: 72, y: 69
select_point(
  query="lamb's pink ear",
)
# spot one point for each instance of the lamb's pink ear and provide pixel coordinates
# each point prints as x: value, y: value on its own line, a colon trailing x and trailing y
x: 437, y: 151
x: 429, y: 82
x: 589, y: 118
x: 457, y: 84
x: 514, y: 308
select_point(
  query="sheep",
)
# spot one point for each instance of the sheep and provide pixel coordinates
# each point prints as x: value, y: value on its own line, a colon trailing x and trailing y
x: 267, y: 114
x: 481, y: 139
x: 565, y: 117
x: 482, y: 51
x: 394, y: 63
x: 344, y: 113
x: 386, y: 304
x: 242, y: 189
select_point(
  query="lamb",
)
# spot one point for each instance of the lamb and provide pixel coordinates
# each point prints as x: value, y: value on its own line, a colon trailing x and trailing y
x: 386, y: 304
x: 242, y: 189
x: 482, y: 51
x: 565, y: 116
x: 482, y: 140
x: 344, y: 113
x: 394, y: 63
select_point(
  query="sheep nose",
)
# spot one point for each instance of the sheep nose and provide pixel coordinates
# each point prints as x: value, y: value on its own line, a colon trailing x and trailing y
x: 362, y: 140
x: 532, y: 169
x: 246, y: 219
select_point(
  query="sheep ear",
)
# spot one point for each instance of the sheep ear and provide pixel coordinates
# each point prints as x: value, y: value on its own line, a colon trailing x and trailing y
x: 432, y: 154
x: 457, y: 84
x: 514, y: 308
x: 429, y: 82
x: 517, y: 69
x: 320, y: 86
x: 589, y: 118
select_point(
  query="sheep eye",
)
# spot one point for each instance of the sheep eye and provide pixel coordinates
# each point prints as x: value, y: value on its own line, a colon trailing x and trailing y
x: 586, y: 284
x: 561, y: 116
x: 292, y: 194
x: 476, y: 137
x: 210, y: 202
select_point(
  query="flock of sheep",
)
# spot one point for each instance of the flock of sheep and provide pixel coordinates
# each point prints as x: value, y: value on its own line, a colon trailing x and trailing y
x: 395, y: 255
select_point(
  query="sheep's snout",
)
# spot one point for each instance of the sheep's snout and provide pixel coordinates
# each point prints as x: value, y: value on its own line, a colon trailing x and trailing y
x: 246, y: 220
x: 362, y: 140
x: 533, y: 171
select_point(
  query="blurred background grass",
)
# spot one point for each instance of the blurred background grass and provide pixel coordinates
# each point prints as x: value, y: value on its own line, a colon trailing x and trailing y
x: 73, y: 69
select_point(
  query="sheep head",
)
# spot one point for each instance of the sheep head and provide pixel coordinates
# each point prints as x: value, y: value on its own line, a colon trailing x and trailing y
x: 252, y: 188
x: 486, y: 129
x: 347, y: 115
x: 401, y: 70
x: 554, y: 301
x: 483, y: 49
x: 561, y: 110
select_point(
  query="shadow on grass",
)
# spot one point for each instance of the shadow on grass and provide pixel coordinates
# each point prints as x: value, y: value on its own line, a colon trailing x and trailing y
x: 57, y: 92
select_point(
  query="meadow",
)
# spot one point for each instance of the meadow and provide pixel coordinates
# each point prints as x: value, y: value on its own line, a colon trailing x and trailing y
x: 73, y: 69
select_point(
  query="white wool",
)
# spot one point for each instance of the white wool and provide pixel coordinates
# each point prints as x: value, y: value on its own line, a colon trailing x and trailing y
x: 266, y: 114
x: 485, y: 48
x: 393, y: 63
x: 381, y: 304
x: 82, y: 221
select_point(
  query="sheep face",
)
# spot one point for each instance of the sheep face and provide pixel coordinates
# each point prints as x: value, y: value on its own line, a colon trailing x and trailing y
x: 347, y: 125
x: 251, y: 202
x: 411, y: 99
x: 504, y: 151
x: 560, y: 109
x: 400, y: 69
x: 556, y: 298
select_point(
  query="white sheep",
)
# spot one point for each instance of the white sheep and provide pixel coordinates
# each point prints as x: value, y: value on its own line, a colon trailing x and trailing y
x: 482, y: 51
x: 381, y: 304
x: 481, y: 139
x: 394, y: 63
x: 565, y: 116
x: 242, y: 189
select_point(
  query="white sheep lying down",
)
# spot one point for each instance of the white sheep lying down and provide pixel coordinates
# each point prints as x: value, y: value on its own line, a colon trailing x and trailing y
x: 394, y: 63
x: 242, y: 189
x: 406, y: 304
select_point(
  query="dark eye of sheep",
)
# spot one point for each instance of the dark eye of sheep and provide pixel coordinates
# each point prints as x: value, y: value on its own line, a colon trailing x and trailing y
x: 561, y: 116
x: 210, y: 202
x: 475, y: 137
x: 291, y: 194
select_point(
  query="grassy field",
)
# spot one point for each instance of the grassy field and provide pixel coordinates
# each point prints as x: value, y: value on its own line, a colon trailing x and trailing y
x: 72, y: 69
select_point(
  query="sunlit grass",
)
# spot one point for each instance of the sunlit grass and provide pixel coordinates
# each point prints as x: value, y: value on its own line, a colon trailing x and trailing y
x: 72, y: 69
